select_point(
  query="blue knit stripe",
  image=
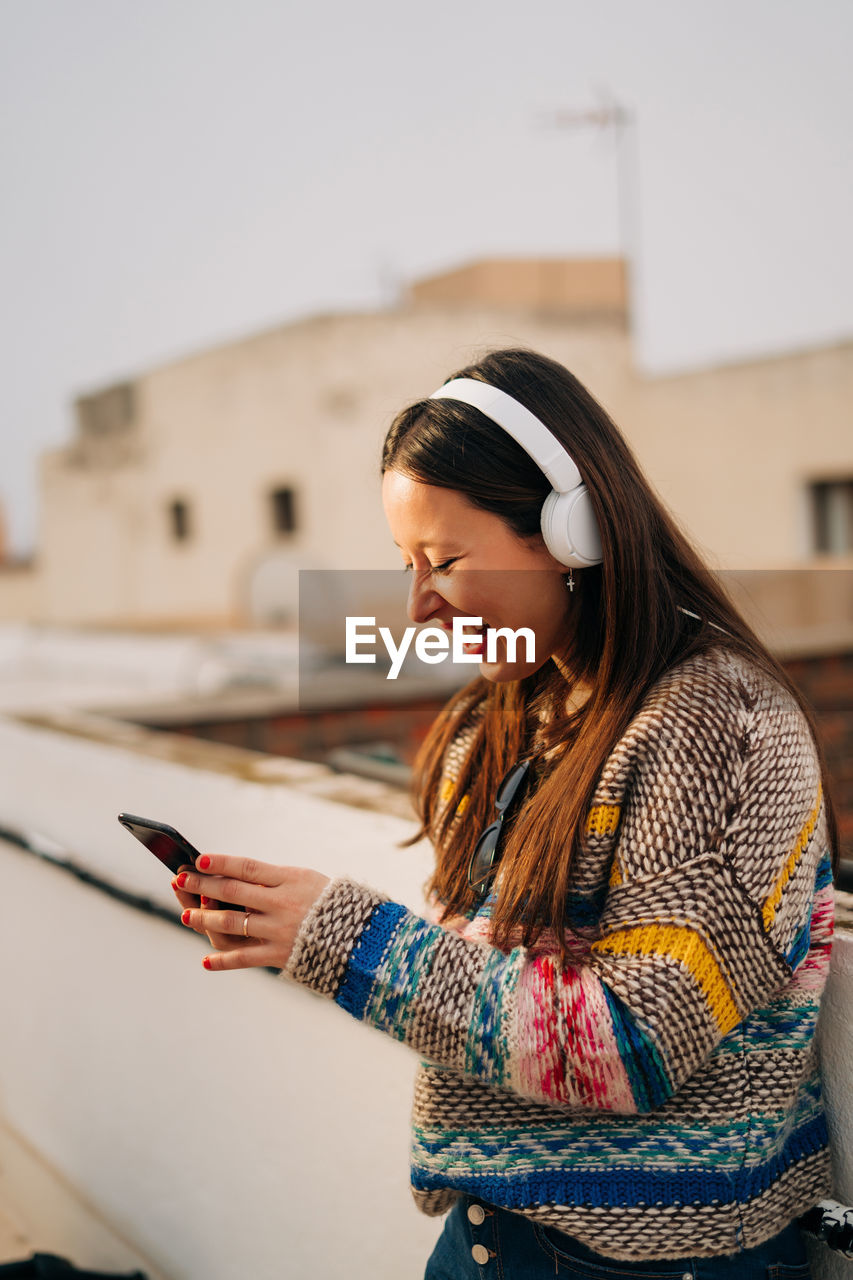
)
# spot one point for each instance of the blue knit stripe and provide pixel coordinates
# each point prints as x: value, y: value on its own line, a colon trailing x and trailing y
x: 483, y: 1057
x: 584, y: 909
x: 637, y: 1143
x: 824, y: 873
x: 503, y: 1149
x: 503, y: 1047
x: 799, y: 947
x: 647, y: 1076
x: 398, y: 977
x: 789, y: 1023
x: 366, y: 957
x: 614, y: 1186
x: 803, y: 1142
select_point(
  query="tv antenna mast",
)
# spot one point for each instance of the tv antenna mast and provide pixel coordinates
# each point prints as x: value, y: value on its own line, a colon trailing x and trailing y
x: 615, y: 121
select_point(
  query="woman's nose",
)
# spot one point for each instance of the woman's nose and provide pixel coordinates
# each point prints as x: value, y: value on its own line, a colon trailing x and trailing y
x: 423, y: 598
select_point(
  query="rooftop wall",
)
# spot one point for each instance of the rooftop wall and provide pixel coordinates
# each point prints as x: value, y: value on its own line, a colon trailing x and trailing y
x: 583, y: 286
x: 175, y: 1099
x: 19, y: 592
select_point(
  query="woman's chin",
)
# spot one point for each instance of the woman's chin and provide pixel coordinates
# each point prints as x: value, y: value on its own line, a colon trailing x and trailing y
x: 504, y: 672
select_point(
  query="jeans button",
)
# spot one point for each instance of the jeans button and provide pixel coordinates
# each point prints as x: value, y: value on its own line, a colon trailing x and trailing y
x: 481, y: 1254
x: 476, y: 1214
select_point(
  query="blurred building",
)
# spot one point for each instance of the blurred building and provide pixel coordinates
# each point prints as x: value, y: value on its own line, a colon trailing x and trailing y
x: 191, y: 493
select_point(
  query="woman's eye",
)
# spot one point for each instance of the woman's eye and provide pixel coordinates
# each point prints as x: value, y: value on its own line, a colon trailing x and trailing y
x: 436, y: 568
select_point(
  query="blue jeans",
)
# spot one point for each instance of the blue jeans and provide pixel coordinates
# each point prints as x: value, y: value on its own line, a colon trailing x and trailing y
x: 506, y: 1246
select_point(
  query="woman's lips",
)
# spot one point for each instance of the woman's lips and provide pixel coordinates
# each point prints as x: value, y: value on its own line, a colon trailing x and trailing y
x: 476, y: 645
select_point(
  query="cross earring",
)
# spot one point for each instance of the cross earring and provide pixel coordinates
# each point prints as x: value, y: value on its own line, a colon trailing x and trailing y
x: 570, y: 581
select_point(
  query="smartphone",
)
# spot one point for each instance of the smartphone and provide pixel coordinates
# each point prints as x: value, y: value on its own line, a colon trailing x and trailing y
x: 167, y: 844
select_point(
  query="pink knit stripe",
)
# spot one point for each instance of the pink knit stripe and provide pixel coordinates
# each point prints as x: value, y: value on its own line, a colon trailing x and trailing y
x: 567, y: 1046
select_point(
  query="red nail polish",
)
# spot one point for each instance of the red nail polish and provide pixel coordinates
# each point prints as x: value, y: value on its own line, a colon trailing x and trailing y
x: 204, y: 862
x: 185, y: 918
x: 205, y: 902
x: 206, y: 962
x: 182, y: 879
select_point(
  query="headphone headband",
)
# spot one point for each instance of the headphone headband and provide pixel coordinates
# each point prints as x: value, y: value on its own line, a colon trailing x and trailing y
x: 524, y: 427
x: 568, y: 524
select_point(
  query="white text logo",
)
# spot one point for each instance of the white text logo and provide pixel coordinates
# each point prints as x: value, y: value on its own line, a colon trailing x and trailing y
x: 433, y: 644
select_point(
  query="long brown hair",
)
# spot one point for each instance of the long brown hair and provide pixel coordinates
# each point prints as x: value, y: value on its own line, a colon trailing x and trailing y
x: 630, y: 628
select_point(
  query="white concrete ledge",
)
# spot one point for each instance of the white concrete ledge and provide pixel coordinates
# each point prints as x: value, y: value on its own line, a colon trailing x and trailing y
x: 222, y: 1124
x: 43, y: 1213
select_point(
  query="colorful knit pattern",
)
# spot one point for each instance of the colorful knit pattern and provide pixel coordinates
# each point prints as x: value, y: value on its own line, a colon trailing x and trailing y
x: 658, y: 1097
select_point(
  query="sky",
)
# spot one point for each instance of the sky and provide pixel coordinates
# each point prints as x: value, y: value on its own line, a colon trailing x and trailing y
x: 181, y: 172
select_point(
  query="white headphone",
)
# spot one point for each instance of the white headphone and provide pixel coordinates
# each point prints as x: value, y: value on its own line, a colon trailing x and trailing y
x: 567, y: 520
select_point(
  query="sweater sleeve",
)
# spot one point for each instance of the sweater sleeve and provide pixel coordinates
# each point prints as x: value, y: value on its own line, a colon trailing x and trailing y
x: 711, y: 893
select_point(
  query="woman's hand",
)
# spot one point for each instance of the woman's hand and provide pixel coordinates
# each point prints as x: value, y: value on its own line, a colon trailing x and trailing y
x: 455, y: 924
x: 276, y: 899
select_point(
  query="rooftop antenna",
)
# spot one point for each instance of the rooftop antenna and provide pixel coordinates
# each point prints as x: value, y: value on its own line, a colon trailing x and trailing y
x: 617, y: 125
x: 389, y: 282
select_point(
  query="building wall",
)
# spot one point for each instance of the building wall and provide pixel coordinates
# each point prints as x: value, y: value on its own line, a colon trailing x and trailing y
x: 732, y: 449
x: 401, y: 725
x: 307, y: 405
x: 569, y: 285
x: 19, y: 592
x: 827, y: 683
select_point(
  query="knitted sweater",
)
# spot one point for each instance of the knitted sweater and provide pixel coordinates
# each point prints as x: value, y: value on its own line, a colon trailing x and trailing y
x: 659, y: 1096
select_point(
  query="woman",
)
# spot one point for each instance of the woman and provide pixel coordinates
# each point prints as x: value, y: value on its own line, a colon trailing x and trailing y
x: 615, y: 1008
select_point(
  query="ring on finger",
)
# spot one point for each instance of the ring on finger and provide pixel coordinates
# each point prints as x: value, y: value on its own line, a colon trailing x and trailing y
x: 246, y: 924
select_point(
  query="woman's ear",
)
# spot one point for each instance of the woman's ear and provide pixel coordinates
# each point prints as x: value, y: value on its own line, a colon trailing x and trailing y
x: 536, y: 543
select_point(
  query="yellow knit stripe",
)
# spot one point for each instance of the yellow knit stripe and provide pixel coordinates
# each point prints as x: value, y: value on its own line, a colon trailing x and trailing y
x: 682, y: 943
x: 616, y: 876
x: 772, y: 903
x: 603, y: 819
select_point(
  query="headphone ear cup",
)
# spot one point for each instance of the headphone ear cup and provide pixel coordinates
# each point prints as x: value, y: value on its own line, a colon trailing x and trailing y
x: 569, y: 528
